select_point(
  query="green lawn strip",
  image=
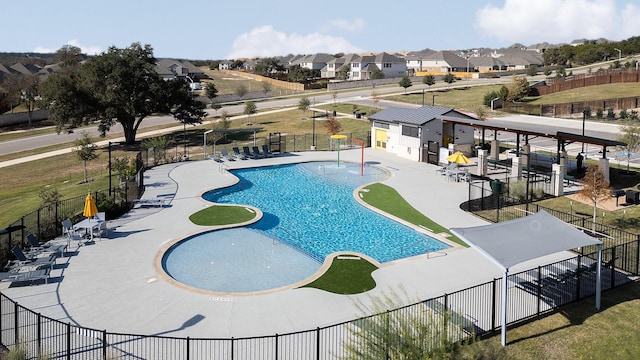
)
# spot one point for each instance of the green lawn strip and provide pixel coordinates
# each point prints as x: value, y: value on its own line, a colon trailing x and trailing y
x: 346, y: 275
x: 222, y: 215
x: 388, y: 200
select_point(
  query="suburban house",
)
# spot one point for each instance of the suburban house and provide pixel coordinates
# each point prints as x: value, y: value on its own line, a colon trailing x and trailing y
x: 421, y: 133
x: 313, y: 62
x: 180, y: 69
x: 224, y: 65
x: 442, y: 62
x: 362, y: 67
x: 415, y: 59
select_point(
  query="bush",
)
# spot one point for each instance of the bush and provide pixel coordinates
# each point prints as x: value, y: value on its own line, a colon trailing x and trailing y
x: 611, y: 115
x: 599, y: 114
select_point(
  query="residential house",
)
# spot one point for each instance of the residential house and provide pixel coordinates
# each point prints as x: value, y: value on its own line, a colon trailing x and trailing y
x: 419, y: 133
x: 314, y: 62
x: 224, y: 65
x: 414, y: 59
x: 442, y: 62
x: 183, y: 69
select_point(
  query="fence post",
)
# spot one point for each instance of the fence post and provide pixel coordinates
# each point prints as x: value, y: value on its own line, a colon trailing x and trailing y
x: 579, y: 280
x: 16, y: 325
x: 613, y: 267
x: 232, y: 343
x: 493, y: 305
x: 637, y: 254
x: 317, y: 343
x: 68, y: 341
x: 104, y: 344
x: 276, y: 347
x: 539, y: 289
x: 39, y: 335
x: 188, y: 342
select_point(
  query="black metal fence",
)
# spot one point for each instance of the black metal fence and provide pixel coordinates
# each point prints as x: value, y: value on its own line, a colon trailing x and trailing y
x: 454, y: 316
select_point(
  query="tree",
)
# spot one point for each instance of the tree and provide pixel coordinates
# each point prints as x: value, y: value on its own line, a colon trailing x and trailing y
x: 85, y: 151
x: 630, y: 135
x: 30, y: 94
x: 532, y: 70
x: 119, y: 86
x: 429, y: 80
x: 266, y: 87
x: 304, y: 104
x: 68, y: 55
x: 210, y: 91
x: 250, y: 108
x: 343, y: 73
x: 405, y: 82
x: 332, y: 125
x: 449, y: 78
x: 241, y: 91
x: 183, y: 106
x: 518, y: 89
x: 594, y: 188
x: 377, y: 74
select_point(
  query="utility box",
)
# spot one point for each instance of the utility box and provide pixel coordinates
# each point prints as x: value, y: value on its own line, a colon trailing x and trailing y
x: 633, y: 197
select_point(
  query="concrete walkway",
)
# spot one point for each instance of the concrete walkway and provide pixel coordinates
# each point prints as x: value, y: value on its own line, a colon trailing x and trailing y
x: 117, y: 285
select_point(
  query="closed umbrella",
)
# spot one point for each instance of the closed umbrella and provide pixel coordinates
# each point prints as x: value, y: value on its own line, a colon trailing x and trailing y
x: 90, y: 208
x: 458, y: 158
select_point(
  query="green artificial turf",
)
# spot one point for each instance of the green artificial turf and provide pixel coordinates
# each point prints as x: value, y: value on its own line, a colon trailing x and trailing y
x: 222, y: 215
x: 388, y: 200
x: 346, y: 275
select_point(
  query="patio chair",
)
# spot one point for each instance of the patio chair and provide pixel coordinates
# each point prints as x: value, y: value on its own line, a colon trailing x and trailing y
x: 247, y: 152
x: 72, y: 234
x: 266, y: 152
x: 237, y: 154
x: 256, y: 153
x: 32, y: 263
x: 56, y: 249
x: 102, y: 229
x: 30, y: 275
x: 215, y: 158
x: 225, y: 154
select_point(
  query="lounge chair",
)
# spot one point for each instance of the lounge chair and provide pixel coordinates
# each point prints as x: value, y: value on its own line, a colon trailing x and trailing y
x: 36, y: 247
x: 266, y: 152
x: 225, y: 154
x: 256, y: 153
x: 32, y: 263
x: 215, y: 158
x: 237, y: 154
x: 247, y: 152
x: 30, y: 275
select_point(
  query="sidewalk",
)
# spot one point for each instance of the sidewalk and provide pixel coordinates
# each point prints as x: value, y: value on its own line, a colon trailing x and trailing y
x: 117, y: 285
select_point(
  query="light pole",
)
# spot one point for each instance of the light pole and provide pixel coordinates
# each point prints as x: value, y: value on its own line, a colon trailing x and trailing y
x: 433, y: 99
x: 468, y: 57
x: 422, y: 97
x: 111, y: 143
x: 584, y: 119
x: 313, y: 122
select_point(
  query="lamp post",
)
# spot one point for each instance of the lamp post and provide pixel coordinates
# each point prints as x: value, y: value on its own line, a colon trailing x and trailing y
x: 584, y: 119
x: 111, y: 143
x: 422, y: 97
x: 468, y: 57
x: 433, y: 99
x: 619, y: 54
x: 313, y: 122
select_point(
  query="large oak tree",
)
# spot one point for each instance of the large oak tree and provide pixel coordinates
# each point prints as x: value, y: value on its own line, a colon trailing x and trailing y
x: 118, y: 86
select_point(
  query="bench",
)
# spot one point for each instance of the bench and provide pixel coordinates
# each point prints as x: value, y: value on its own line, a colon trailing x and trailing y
x: 570, y: 180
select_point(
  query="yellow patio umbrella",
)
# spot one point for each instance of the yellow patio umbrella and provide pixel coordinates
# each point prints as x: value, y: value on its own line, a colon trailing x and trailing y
x: 458, y: 158
x: 90, y: 208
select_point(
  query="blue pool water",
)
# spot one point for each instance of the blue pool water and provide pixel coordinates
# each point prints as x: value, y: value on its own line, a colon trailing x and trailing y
x: 310, y: 208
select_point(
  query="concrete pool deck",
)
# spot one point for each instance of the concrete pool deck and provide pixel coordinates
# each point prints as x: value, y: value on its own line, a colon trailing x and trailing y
x: 115, y: 285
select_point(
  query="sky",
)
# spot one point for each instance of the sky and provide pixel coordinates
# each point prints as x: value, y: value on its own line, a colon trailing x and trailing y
x: 217, y: 30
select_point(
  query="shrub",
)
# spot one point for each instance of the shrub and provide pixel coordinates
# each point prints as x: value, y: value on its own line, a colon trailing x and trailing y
x: 599, y: 114
x: 611, y: 115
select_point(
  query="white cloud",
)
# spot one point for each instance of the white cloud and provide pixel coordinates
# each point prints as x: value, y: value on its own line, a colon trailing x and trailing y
x: 88, y: 50
x: 340, y: 25
x: 265, y: 41
x: 557, y: 21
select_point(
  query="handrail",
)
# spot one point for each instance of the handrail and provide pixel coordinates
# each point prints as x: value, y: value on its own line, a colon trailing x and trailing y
x: 223, y: 168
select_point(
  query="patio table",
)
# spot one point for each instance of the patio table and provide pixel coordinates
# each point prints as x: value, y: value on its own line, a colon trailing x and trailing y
x: 88, y: 225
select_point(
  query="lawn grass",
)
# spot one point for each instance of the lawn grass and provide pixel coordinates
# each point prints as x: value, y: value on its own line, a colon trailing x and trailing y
x: 216, y: 215
x: 578, y: 331
x: 387, y: 199
x: 346, y: 276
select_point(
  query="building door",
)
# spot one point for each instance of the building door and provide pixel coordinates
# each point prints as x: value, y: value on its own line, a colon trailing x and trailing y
x: 433, y: 149
x: 381, y: 139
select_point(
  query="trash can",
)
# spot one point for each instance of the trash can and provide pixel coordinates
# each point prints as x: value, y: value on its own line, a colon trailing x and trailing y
x: 496, y: 186
x: 335, y: 113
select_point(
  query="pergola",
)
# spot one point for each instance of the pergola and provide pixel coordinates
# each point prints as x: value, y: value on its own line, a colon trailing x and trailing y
x: 512, y: 242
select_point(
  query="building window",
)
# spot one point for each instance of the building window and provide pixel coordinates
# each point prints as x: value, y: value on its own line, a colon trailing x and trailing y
x: 380, y: 125
x: 356, y: 74
x: 387, y: 65
x: 355, y: 65
x: 410, y: 131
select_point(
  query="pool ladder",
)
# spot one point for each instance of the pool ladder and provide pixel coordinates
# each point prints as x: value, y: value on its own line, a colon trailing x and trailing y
x: 223, y: 168
x: 414, y: 244
x: 323, y: 169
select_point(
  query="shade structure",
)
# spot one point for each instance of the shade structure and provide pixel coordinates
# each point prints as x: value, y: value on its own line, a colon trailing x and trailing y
x: 90, y: 208
x: 458, y: 158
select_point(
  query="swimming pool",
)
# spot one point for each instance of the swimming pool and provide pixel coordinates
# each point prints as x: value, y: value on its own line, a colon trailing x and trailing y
x: 310, y: 207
